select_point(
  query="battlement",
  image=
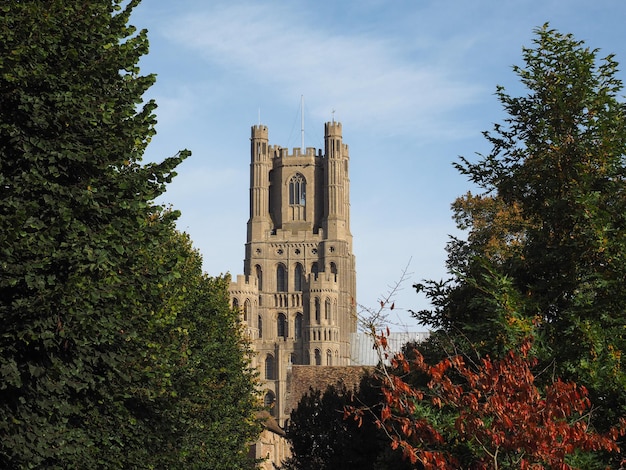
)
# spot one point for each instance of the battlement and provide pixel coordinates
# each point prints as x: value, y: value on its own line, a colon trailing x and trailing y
x: 323, y: 281
x: 260, y: 132
x: 245, y: 284
x: 277, y: 151
x: 332, y: 129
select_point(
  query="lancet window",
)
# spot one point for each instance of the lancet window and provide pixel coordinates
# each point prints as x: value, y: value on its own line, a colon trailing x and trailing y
x: 298, y: 275
x: 281, y: 278
x: 282, y: 325
x: 269, y: 368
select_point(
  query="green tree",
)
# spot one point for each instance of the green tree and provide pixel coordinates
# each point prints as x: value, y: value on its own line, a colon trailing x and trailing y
x: 546, y: 248
x: 214, y: 383
x: 197, y: 394
x: 82, y: 271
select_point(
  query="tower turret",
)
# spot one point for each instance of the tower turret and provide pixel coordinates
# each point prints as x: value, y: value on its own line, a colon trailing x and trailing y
x: 259, y: 222
x: 336, y: 183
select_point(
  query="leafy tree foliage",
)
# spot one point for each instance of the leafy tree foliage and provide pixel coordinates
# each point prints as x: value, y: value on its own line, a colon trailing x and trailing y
x: 198, y: 397
x: 324, y: 436
x: 489, y: 415
x: 104, y: 357
x: 545, y: 253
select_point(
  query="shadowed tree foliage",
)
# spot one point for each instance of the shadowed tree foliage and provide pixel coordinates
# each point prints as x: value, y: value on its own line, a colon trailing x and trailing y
x: 546, y: 246
x: 197, y: 397
x: 323, y: 436
x: 109, y: 353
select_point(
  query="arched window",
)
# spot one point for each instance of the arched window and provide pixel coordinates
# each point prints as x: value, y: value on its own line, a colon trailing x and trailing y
x: 329, y: 358
x: 235, y: 304
x: 317, y: 309
x: 333, y: 269
x: 327, y: 312
x: 282, y: 325
x: 315, y: 269
x: 260, y: 326
x: 270, y: 373
x: 298, y: 332
x: 318, y: 357
x: 268, y: 401
x: 246, y: 309
x: 297, y: 190
x: 281, y: 279
x: 259, y: 276
x: 298, y: 275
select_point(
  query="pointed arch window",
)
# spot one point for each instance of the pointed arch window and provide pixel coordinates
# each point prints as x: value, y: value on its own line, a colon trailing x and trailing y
x: 282, y: 325
x: 317, y: 309
x: 268, y: 402
x: 298, y: 324
x: 270, y: 373
x: 298, y: 275
x: 297, y: 190
x: 259, y: 276
x: 315, y: 269
x: 318, y: 357
x: 333, y: 269
x: 281, y: 278
x: 260, y: 325
x: 246, y: 309
x: 327, y: 310
x: 329, y: 358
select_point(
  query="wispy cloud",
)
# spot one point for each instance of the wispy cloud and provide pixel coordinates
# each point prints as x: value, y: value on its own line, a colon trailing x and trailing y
x: 370, y: 80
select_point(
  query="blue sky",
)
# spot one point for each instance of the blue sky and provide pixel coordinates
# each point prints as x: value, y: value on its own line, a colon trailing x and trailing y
x: 412, y: 82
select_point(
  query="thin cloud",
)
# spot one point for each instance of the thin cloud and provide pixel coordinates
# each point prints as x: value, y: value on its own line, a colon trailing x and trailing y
x: 369, y: 78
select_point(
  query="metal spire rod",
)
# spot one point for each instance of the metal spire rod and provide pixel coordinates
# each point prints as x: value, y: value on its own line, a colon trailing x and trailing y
x: 302, y: 121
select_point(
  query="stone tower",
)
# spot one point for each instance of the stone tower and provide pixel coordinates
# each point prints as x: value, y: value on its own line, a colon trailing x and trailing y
x: 297, y: 295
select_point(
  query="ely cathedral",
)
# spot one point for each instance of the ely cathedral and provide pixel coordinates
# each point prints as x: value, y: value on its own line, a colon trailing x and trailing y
x: 297, y: 295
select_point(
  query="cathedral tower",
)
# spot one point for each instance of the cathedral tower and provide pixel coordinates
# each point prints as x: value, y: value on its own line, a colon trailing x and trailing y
x: 297, y: 295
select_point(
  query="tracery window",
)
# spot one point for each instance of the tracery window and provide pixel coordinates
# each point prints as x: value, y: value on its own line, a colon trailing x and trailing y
x: 297, y: 190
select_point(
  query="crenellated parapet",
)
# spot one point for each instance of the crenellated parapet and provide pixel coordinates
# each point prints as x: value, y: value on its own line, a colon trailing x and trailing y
x: 278, y: 152
x: 244, y: 285
x: 323, y: 282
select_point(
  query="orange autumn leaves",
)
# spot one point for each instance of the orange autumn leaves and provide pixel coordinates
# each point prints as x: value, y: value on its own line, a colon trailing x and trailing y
x: 497, y: 413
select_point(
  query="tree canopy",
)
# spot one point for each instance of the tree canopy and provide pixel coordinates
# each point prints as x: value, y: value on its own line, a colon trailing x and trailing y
x: 115, y: 350
x: 546, y: 238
